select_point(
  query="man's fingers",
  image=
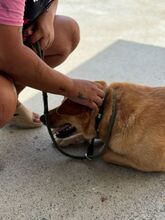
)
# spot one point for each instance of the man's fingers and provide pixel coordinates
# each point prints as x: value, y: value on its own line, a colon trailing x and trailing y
x: 35, y: 37
x: 101, y: 88
x: 92, y: 105
x: 98, y: 101
x: 44, y: 43
x: 101, y: 93
x: 100, y: 85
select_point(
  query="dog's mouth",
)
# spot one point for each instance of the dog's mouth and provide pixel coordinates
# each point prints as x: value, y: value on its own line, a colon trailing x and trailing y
x: 64, y: 130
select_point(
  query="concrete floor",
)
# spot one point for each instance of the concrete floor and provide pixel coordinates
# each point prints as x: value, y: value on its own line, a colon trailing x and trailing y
x: 120, y: 41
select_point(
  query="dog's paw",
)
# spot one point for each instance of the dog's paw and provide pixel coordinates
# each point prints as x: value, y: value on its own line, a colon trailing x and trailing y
x: 77, y: 138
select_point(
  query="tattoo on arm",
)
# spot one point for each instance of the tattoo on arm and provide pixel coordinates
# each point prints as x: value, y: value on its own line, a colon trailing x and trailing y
x: 81, y: 96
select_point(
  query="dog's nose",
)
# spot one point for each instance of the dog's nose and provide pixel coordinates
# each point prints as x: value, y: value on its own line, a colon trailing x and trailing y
x: 42, y: 118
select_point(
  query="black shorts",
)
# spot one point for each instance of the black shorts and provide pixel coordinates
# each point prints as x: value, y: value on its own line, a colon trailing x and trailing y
x: 33, y: 9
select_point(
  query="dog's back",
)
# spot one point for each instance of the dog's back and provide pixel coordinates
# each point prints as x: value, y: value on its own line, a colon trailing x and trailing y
x: 139, y: 132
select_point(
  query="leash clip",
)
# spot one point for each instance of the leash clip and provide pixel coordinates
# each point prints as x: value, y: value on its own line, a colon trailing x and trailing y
x: 87, y: 157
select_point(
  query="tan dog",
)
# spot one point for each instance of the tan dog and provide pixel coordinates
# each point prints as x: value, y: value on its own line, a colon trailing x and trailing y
x: 138, y: 134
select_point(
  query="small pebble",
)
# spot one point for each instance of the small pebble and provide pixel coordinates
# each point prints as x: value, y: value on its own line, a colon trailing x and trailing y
x: 103, y: 199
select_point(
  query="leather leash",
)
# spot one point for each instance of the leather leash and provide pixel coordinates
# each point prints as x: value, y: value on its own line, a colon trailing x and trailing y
x: 90, y: 150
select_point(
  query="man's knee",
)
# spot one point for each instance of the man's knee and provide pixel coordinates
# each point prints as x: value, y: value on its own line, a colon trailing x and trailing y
x: 70, y: 33
x: 75, y: 37
x: 8, y: 100
x: 67, y: 37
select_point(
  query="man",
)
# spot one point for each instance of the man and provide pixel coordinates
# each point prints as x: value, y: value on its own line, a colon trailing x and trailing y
x: 20, y: 66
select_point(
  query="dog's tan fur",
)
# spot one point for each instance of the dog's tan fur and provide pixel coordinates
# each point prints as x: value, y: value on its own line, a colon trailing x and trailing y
x: 138, y: 135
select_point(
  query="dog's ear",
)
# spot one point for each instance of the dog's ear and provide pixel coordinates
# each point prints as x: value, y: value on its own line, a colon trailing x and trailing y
x: 69, y: 107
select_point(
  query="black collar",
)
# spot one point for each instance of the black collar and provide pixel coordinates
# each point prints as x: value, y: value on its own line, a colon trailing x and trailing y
x: 100, y: 115
x: 90, y: 151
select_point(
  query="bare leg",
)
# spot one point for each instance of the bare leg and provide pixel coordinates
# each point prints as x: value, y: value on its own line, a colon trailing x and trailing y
x: 8, y: 100
x: 66, y: 39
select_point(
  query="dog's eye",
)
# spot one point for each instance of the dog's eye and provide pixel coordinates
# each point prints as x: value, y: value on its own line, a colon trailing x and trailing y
x: 58, y: 111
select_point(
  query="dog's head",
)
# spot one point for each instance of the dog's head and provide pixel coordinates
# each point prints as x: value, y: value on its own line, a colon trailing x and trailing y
x: 79, y: 116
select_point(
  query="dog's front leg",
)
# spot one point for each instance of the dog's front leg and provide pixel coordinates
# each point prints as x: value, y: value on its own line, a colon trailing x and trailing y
x: 71, y: 140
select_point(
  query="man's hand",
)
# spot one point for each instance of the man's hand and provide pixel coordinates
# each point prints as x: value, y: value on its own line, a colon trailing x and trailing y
x: 42, y: 30
x: 87, y: 93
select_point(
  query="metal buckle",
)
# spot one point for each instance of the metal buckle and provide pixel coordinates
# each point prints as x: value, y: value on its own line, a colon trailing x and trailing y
x: 87, y: 157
